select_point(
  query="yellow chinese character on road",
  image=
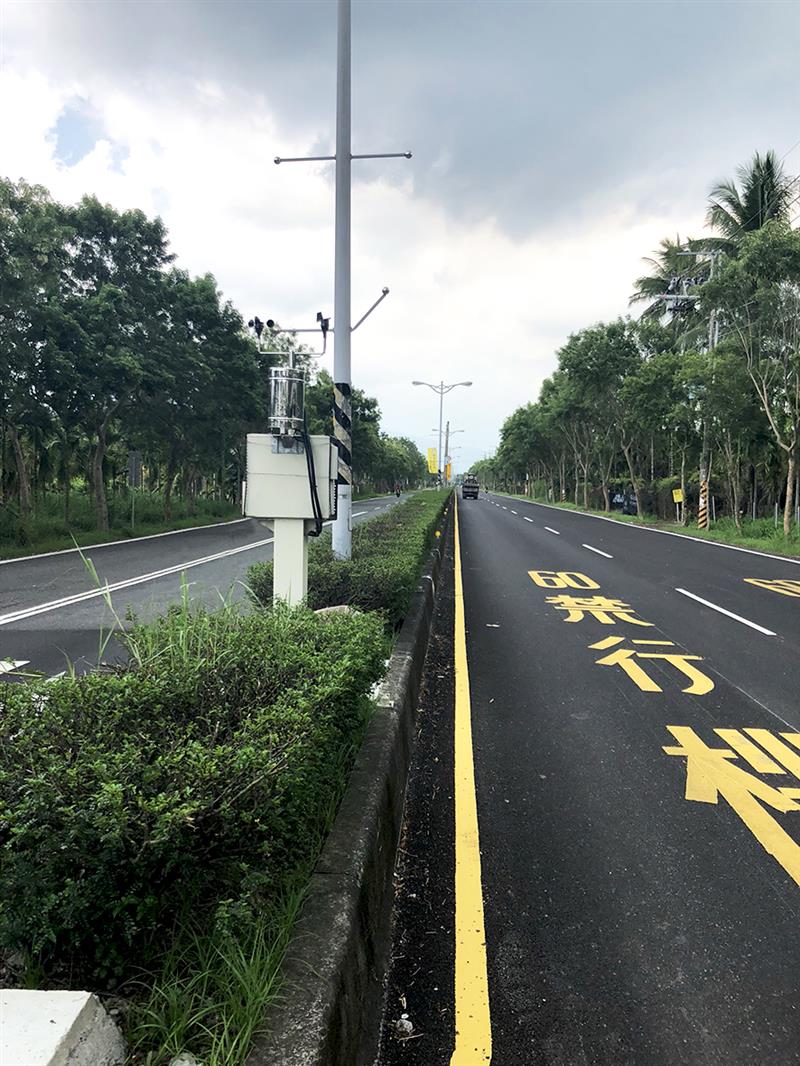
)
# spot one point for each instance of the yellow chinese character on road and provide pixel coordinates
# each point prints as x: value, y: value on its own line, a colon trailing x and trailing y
x: 710, y: 774
x: 785, y: 586
x: 601, y: 608
x: 627, y: 659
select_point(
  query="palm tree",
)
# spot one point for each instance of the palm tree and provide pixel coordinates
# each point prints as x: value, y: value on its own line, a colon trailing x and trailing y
x: 764, y: 192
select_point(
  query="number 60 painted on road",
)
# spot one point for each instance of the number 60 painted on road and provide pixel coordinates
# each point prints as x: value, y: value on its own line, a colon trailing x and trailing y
x: 561, y: 579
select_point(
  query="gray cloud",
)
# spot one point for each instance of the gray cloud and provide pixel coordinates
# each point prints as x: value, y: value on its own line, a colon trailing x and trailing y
x: 539, y: 114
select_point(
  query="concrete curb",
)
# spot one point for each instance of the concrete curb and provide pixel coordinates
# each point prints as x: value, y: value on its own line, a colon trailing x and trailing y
x: 330, y: 1008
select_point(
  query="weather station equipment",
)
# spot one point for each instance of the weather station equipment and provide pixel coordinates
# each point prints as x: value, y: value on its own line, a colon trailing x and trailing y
x: 291, y: 481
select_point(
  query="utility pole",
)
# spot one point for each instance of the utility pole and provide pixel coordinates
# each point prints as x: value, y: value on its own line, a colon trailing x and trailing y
x: 446, y: 450
x: 342, y: 406
x: 447, y: 457
x: 440, y: 464
x: 713, y: 340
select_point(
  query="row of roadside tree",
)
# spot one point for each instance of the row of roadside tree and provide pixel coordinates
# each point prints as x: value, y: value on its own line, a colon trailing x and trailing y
x: 706, y: 379
x: 107, y: 348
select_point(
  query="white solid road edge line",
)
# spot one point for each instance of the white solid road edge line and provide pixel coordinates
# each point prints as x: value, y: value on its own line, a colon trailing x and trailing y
x: 598, y: 550
x: 730, y: 614
x: 665, y: 532
x: 125, y: 540
x: 149, y: 536
x: 79, y: 597
x: 549, y: 530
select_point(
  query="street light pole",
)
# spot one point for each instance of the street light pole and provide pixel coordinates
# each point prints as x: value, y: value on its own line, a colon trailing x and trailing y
x: 442, y: 390
x: 342, y: 379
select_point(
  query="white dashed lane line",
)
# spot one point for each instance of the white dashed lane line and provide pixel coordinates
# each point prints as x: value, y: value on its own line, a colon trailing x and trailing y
x: 528, y: 519
x: 729, y: 614
x: 549, y: 530
x: 598, y: 550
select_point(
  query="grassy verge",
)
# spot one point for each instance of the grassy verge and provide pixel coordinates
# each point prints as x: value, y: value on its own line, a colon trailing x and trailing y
x: 47, y: 531
x: 388, y: 553
x: 759, y: 534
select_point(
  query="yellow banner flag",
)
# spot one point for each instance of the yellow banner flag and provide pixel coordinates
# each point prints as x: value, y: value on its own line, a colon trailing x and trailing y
x: 433, y: 461
x: 448, y: 471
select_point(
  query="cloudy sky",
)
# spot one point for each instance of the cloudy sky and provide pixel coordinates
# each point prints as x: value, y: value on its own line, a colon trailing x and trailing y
x: 554, y: 145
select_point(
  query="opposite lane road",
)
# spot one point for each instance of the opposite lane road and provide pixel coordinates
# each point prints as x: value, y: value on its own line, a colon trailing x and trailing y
x: 53, y: 612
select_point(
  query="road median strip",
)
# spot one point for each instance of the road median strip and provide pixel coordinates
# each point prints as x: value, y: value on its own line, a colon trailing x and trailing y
x: 330, y: 1005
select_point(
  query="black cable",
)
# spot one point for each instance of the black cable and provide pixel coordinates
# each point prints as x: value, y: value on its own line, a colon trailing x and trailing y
x: 312, y: 481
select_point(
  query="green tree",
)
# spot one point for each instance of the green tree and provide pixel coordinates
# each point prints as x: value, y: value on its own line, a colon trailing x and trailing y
x: 764, y: 193
x: 117, y: 260
x: 32, y: 261
x: 758, y: 296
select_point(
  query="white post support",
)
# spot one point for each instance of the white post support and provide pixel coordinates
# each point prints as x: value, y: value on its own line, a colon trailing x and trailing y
x: 291, y: 561
x: 342, y: 527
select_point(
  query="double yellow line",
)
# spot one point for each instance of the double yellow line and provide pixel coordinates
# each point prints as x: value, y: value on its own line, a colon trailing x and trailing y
x: 473, y: 1043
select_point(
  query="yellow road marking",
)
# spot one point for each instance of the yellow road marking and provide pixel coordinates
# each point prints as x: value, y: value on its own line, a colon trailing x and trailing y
x: 561, y: 579
x: 760, y: 762
x: 709, y: 775
x: 784, y: 586
x: 473, y: 1038
x: 777, y: 749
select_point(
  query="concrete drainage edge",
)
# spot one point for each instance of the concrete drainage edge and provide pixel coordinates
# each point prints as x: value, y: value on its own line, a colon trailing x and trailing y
x: 329, y: 1009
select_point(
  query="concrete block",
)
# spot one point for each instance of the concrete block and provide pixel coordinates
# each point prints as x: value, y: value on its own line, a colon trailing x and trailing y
x: 57, y: 1029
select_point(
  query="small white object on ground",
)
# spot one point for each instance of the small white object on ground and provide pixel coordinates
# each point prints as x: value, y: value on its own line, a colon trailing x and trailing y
x: 186, y: 1058
x: 404, y: 1026
x: 57, y: 1029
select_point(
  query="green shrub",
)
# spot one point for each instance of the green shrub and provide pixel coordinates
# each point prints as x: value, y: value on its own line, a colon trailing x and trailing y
x: 388, y: 555
x: 193, y: 780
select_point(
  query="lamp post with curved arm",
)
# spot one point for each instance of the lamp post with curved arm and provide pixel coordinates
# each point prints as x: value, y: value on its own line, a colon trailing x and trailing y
x: 442, y: 391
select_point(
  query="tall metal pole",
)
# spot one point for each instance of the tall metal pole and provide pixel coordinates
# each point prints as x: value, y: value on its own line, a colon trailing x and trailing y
x: 702, y: 510
x: 342, y: 417
x: 446, y: 448
x: 439, y: 455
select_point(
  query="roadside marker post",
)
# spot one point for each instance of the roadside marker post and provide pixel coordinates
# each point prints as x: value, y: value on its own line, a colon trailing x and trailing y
x: 702, y: 511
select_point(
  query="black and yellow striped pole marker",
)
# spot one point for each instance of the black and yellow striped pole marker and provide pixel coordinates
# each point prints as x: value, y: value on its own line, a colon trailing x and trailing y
x: 702, y: 510
x: 342, y: 431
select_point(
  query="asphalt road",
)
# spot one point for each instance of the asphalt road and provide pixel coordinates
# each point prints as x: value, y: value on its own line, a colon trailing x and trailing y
x: 53, y: 610
x: 637, y: 782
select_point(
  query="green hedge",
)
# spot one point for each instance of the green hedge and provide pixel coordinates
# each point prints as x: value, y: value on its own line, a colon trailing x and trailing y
x: 388, y: 555
x: 195, y: 779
